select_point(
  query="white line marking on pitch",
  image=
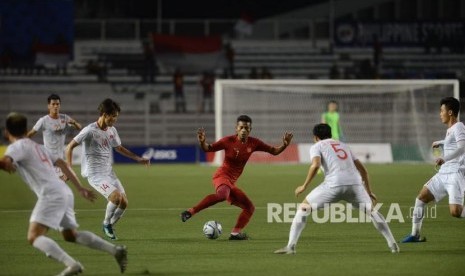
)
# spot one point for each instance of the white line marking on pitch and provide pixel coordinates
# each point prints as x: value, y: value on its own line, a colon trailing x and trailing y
x: 130, y: 209
x: 159, y: 209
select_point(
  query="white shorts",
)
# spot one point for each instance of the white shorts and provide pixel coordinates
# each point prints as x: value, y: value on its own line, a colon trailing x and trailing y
x: 355, y: 194
x: 452, y: 184
x: 55, y: 210
x: 106, y: 185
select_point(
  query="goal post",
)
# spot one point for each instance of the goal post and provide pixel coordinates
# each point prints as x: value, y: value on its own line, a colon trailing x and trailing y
x: 402, y: 115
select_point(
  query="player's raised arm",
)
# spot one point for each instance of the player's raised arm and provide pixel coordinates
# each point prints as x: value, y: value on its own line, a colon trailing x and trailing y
x: 129, y: 154
x: 312, y: 171
x: 202, y: 140
x: 287, y: 138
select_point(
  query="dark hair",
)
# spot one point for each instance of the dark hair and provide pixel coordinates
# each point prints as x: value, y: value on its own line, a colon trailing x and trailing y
x: 53, y: 97
x: 16, y: 124
x: 322, y: 131
x: 108, y: 106
x: 332, y: 102
x: 451, y: 104
x: 244, y: 118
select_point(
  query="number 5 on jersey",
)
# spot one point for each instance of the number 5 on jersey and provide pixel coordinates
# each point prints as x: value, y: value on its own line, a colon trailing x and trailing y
x: 341, y: 153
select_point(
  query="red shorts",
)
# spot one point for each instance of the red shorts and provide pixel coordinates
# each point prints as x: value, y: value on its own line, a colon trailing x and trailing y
x: 218, y: 181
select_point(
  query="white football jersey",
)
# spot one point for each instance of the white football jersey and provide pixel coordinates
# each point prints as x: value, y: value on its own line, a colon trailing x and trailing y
x: 337, y: 162
x: 54, y: 132
x: 97, y: 149
x: 454, y: 134
x: 35, y: 166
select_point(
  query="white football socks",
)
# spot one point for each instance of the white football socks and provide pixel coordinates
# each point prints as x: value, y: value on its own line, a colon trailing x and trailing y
x: 53, y: 250
x: 111, y: 207
x: 417, y: 217
x: 116, y: 216
x: 298, y: 224
x: 93, y: 241
x: 380, y: 224
x: 463, y: 212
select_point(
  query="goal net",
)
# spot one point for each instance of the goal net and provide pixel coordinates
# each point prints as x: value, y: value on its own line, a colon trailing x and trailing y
x: 401, y: 116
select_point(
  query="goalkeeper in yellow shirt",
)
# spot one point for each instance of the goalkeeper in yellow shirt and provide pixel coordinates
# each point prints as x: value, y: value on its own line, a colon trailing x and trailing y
x: 331, y: 117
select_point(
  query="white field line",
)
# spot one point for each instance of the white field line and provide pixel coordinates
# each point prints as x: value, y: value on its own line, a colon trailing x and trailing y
x: 166, y: 209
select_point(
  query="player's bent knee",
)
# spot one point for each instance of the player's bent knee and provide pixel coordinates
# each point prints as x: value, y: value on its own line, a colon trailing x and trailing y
x: 305, y: 207
x: 123, y: 202
x: 35, y: 230
x: 69, y: 235
x: 223, y: 192
x: 456, y: 213
x: 425, y: 195
x: 115, y: 197
x: 251, y: 209
x: 31, y: 238
x: 222, y: 196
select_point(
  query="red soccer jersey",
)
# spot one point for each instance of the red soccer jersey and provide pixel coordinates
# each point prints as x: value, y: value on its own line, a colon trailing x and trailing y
x: 236, y: 155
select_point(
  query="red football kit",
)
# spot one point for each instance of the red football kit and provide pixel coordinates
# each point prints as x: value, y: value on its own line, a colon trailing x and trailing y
x: 236, y: 155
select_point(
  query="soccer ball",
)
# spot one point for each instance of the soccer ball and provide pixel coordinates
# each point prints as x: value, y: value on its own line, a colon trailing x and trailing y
x: 212, y: 229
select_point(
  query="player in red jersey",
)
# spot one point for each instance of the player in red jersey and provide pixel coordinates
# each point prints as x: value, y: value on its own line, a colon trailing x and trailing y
x: 238, y: 149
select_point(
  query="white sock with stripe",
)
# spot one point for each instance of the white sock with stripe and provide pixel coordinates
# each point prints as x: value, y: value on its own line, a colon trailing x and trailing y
x: 298, y: 225
x: 93, y: 241
x: 380, y: 224
x: 53, y: 250
x: 109, y: 212
x: 417, y: 217
x: 116, y: 216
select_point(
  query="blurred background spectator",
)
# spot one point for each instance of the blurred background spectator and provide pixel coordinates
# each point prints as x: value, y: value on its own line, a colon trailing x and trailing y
x: 208, y: 83
x: 178, y: 83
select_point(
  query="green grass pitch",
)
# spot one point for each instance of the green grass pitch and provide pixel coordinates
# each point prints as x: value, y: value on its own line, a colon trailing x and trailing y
x: 160, y: 244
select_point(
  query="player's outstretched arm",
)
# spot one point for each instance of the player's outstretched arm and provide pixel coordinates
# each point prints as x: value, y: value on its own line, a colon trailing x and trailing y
x: 287, y: 138
x: 129, y: 154
x: 312, y: 171
x: 69, y: 172
x: 366, y: 180
x: 202, y: 140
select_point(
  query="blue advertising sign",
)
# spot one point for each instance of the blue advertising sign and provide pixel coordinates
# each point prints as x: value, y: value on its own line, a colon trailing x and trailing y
x: 398, y: 34
x: 165, y: 154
